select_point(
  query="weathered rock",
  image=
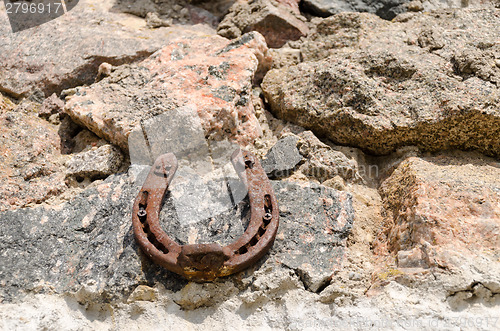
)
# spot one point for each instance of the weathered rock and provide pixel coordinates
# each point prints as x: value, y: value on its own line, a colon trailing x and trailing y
x: 314, y: 224
x: 386, y: 9
x: 282, y: 158
x: 292, y: 4
x: 153, y: 21
x: 86, y: 246
x: 276, y: 22
x: 85, y: 140
x: 31, y: 170
x: 388, y: 91
x: 51, y: 106
x: 284, y: 57
x: 99, y: 162
x: 194, y: 69
x: 105, y: 69
x: 87, y: 36
x: 443, y: 211
x: 429, y: 5
x: 167, y: 12
x: 195, y: 295
x: 328, y: 35
x: 67, y: 131
x: 143, y: 293
x: 322, y: 162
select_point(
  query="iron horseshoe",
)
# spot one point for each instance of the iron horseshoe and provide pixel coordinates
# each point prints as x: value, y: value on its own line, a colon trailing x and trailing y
x: 206, y: 262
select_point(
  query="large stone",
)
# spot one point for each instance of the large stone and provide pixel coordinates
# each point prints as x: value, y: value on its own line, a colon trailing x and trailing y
x: 66, y: 52
x: 443, y: 211
x: 86, y: 246
x: 177, y: 11
x: 275, y: 21
x: 315, y: 222
x: 206, y: 72
x: 389, y: 88
x: 31, y: 170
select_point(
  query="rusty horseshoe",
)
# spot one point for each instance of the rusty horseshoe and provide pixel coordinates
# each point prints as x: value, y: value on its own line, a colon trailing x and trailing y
x: 206, y: 262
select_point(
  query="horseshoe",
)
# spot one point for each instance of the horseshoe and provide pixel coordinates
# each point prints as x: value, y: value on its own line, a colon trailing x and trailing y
x: 206, y: 262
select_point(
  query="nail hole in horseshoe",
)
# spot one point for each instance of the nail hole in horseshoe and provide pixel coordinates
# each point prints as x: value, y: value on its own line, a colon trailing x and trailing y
x: 242, y: 250
x: 249, y: 164
x: 152, y: 239
x: 254, y: 241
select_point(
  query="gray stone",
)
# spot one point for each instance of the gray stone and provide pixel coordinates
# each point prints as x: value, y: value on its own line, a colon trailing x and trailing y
x: 201, y: 71
x: 175, y: 11
x: 386, y: 9
x: 99, y: 162
x: 87, y: 244
x: 385, y: 89
x: 66, y: 52
x: 31, y: 170
x: 51, y: 106
x: 315, y: 222
x: 282, y: 158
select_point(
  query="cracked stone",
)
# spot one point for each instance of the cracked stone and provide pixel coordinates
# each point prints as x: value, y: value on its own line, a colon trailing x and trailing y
x: 31, y: 170
x: 100, y: 162
x: 282, y: 158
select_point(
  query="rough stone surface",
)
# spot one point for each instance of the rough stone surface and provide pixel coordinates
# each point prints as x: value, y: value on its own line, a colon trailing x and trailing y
x: 328, y: 35
x: 322, y: 162
x: 51, y: 106
x: 86, y: 246
x: 282, y: 158
x: 276, y: 22
x: 30, y: 167
x: 386, y: 90
x: 443, y: 211
x: 206, y: 72
x: 313, y: 225
x: 99, y: 162
x: 88, y: 35
x: 175, y: 11
x: 419, y: 252
x: 387, y: 9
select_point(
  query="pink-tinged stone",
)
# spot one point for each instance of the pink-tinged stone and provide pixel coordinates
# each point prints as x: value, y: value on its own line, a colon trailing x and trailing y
x: 66, y: 52
x: 277, y: 22
x: 442, y: 211
x: 206, y: 72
